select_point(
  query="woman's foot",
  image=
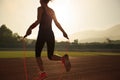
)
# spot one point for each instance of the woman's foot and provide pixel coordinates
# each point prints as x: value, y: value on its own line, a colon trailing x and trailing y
x: 66, y: 62
x: 42, y: 76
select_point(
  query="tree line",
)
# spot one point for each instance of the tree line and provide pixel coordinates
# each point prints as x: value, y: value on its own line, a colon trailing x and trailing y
x: 8, y: 39
x: 13, y: 41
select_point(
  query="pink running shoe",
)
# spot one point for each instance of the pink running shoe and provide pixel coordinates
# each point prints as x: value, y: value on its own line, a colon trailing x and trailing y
x: 42, y: 76
x: 66, y: 62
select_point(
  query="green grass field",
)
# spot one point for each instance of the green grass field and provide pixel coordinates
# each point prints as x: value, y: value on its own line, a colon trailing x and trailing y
x: 20, y: 54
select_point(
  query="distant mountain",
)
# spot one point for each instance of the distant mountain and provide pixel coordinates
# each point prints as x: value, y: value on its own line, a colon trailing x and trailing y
x: 112, y: 33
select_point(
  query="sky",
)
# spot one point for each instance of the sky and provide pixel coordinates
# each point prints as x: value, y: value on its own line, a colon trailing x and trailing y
x: 73, y: 15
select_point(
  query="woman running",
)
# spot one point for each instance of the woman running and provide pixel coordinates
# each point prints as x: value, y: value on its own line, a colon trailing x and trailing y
x: 45, y: 15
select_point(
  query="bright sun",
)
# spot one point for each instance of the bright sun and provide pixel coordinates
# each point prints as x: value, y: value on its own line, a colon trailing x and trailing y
x: 62, y: 11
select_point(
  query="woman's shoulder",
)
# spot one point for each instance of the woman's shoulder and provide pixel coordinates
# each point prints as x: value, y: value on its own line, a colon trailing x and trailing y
x: 40, y: 8
x: 51, y: 10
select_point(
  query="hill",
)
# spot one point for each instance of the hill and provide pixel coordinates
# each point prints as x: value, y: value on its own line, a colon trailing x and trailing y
x: 112, y: 33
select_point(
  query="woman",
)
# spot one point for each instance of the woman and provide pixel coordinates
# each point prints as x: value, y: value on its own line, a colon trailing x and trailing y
x: 45, y: 15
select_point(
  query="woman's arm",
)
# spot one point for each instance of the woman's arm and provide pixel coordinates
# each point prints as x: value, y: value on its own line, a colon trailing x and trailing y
x: 39, y: 14
x: 58, y: 24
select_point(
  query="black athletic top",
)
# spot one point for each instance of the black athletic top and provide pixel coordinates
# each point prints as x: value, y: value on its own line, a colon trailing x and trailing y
x: 46, y: 22
x: 45, y: 28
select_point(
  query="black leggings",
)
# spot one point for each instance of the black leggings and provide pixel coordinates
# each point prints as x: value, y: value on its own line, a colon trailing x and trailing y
x: 43, y: 38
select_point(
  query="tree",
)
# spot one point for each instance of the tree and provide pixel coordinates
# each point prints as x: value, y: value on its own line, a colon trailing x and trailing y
x: 108, y: 40
x: 5, y: 32
x: 75, y: 41
x: 7, y: 38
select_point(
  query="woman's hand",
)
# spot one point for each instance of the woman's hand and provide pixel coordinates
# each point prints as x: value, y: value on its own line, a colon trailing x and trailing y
x: 29, y: 31
x: 65, y: 35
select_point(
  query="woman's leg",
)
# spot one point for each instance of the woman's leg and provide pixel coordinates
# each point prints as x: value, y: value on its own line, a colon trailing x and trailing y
x: 50, y: 48
x: 51, y: 56
x: 40, y: 63
x: 38, y: 50
x: 64, y: 59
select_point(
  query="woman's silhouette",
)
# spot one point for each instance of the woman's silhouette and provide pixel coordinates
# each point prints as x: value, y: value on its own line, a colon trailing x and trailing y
x: 45, y: 15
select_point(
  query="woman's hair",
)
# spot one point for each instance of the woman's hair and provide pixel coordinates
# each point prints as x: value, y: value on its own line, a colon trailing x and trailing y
x: 46, y: 1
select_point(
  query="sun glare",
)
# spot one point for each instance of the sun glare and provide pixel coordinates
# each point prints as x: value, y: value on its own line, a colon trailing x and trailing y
x: 63, y: 14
